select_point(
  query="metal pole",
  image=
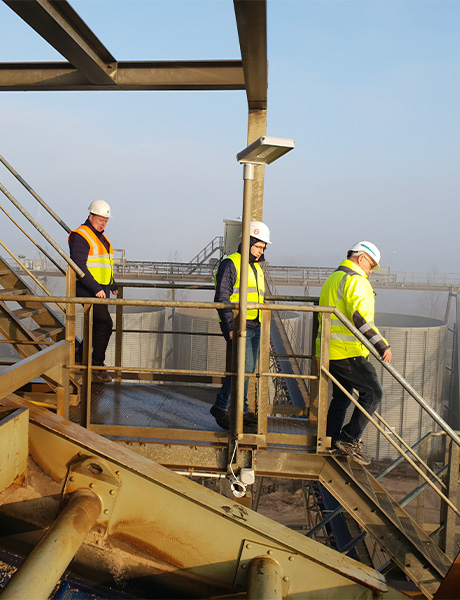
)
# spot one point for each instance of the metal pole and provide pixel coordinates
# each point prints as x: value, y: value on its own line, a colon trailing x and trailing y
x: 40, y: 572
x: 265, y: 579
x: 248, y: 177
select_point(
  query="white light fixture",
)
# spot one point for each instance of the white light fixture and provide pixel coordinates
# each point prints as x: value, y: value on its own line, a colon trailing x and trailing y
x: 265, y: 150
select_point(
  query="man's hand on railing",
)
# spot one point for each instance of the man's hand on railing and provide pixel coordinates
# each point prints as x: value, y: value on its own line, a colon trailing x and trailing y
x: 101, y: 294
x: 387, y: 355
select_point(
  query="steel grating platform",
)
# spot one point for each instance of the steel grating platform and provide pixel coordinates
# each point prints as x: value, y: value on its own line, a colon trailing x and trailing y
x: 167, y: 406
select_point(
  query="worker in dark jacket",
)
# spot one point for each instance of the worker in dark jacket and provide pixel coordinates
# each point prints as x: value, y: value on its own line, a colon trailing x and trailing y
x: 227, y: 281
x: 93, y: 253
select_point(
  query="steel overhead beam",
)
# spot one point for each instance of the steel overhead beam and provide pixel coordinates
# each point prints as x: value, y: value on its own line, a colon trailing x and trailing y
x: 151, y: 75
x: 57, y: 23
x: 251, y: 21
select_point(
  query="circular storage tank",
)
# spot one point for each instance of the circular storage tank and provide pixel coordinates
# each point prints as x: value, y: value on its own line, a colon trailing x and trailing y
x: 419, y: 346
x: 207, y: 352
x: 144, y: 350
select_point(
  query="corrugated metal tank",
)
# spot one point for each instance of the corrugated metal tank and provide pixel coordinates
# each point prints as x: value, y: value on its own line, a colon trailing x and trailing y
x: 419, y: 346
x: 207, y: 352
x: 145, y: 350
x: 198, y: 352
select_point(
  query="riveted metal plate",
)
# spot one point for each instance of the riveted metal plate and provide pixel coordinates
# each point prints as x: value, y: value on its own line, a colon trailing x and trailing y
x: 93, y: 473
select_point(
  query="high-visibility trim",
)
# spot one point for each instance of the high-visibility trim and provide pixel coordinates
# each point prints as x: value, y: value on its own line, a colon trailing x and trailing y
x: 343, y: 337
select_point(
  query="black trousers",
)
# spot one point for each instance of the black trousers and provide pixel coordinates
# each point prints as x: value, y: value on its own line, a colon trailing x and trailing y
x: 353, y: 373
x: 102, y: 330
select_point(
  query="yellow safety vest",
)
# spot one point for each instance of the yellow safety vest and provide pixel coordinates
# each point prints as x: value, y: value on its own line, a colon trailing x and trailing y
x: 349, y: 292
x: 256, y: 285
x: 99, y: 261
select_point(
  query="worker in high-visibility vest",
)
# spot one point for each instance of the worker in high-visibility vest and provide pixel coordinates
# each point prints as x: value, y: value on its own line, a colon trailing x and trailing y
x: 93, y: 253
x: 227, y: 282
x: 348, y: 288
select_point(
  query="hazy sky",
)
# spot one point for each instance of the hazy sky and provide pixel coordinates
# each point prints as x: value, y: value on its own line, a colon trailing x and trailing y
x: 369, y: 91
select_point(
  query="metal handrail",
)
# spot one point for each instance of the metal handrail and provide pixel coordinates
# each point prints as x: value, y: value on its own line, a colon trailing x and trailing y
x: 409, y: 389
x: 42, y: 231
x: 394, y: 444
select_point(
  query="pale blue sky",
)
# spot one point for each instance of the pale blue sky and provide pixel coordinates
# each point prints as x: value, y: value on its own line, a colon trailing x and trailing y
x: 369, y: 90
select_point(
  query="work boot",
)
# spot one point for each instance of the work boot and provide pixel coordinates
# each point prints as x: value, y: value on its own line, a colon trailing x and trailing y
x: 101, y: 376
x: 354, y: 451
x: 221, y: 417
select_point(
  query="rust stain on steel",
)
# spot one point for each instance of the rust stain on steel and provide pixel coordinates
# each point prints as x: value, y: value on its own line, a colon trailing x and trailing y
x: 147, y: 549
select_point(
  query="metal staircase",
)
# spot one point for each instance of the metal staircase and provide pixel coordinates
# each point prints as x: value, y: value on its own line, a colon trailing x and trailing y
x: 364, y: 498
x: 203, y: 255
x: 32, y: 327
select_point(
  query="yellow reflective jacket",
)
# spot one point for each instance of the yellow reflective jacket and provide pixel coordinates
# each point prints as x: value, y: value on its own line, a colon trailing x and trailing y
x: 99, y: 261
x: 256, y: 285
x: 349, y: 290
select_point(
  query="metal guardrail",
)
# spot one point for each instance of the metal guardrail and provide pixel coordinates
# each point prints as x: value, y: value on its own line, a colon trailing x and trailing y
x: 280, y: 275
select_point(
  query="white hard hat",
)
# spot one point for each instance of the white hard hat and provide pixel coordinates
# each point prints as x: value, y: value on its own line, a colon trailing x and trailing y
x: 370, y: 249
x: 260, y: 231
x: 100, y: 207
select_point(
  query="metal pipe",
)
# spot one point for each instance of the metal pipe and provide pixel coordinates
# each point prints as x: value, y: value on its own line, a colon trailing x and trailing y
x: 35, y: 195
x: 40, y: 572
x: 265, y: 579
x: 40, y: 229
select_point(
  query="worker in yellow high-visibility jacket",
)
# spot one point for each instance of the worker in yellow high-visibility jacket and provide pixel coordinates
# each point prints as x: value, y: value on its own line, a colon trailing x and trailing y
x: 227, y: 282
x: 348, y: 288
x: 91, y: 250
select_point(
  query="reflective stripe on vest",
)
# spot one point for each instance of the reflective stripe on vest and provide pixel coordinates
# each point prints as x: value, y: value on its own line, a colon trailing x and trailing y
x: 99, y: 261
x: 256, y: 285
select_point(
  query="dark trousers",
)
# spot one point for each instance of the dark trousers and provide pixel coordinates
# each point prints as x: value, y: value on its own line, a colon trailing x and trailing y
x: 252, y: 354
x: 102, y: 330
x: 353, y: 373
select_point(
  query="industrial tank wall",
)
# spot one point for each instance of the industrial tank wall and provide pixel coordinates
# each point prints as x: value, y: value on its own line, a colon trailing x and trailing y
x: 419, y: 346
x: 198, y: 352
x: 207, y: 352
x: 144, y: 350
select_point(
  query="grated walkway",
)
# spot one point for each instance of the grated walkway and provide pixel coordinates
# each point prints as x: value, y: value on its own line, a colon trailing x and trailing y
x: 166, y: 406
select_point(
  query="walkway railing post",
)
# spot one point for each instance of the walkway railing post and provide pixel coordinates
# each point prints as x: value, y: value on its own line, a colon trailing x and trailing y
x: 87, y: 361
x: 322, y: 443
x: 263, y: 367
x: 119, y: 335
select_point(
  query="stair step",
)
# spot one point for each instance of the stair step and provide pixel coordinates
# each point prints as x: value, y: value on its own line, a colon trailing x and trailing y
x: 5, y: 272
x: 13, y: 292
x: 23, y: 313
x: 46, y: 331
